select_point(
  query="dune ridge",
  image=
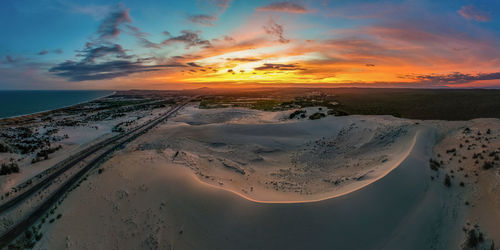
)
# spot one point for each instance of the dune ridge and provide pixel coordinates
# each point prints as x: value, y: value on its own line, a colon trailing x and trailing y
x: 326, y: 196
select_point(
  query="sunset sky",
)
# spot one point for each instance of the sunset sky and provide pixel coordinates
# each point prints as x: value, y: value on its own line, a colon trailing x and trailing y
x: 56, y: 44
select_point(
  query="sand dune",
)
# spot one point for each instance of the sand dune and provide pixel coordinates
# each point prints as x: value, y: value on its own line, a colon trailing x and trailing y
x: 266, y: 157
x: 183, y: 213
x: 210, y: 185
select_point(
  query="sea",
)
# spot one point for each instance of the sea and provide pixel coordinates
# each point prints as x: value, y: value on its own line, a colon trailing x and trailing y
x: 23, y: 102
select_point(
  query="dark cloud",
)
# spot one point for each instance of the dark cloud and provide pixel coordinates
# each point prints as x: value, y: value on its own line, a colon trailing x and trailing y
x: 470, y: 12
x: 284, y: 7
x: 225, y: 39
x: 109, y: 26
x: 370, y: 65
x: 456, y: 77
x: 80, y: 71
x: 189, y: 38
x: 45, y: 52
x: 283, y: 67
x: 274, y: 29
x: 10, y: 59
x: 187, y: 57
x: 228, y: 39
x: 193, y: 64
x: 206, y: 20
x: 243, y: 59
x: 90, y: 54
x: 103, y: 59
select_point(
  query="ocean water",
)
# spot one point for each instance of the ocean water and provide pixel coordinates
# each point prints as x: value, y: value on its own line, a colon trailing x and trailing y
x: 22, y: 102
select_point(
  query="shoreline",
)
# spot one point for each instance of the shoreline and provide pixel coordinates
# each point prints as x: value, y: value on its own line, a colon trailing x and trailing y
x: 50, y: 110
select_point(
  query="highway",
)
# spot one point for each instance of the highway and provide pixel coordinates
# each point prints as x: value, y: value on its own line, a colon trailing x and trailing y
x: 108, y: 146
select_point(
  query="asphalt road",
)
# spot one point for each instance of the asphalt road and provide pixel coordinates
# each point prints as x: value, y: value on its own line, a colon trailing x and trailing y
x: 113, y: 143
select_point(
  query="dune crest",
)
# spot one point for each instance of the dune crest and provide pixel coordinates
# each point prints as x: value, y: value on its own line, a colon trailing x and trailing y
x: 324, y: 196
x: 267, y: 158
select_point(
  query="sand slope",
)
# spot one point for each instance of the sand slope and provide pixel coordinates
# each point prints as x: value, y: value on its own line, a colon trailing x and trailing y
x: 266, y: 157
x: 204, y: 181
x: 139, y: 202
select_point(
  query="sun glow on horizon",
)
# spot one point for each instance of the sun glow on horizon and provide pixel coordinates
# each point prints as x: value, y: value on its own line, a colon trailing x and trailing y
x: 242, y: 43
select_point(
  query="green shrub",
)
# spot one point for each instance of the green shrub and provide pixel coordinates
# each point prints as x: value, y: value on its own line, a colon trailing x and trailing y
x: 4, y: 148
x: 434, y: 165
x: 316, y: 116
x: 447, y: 181
x: 297, y: 112
x: 472, y: 239
x: 487, y: 165
x: 10, y: 168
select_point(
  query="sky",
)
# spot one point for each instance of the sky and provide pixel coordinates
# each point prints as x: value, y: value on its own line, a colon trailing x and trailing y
x: 91, y: 44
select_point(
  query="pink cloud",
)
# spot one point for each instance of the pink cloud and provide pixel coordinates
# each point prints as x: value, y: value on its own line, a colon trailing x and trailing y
x: 472, y: 13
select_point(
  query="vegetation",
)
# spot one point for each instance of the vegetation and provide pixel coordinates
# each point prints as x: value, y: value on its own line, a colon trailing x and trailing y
x: 487, y: 165
x: 9, y: 168
x: 316, y: 116
x: 297, y: 113
x: 266, y: 105
x: 337, y: 112
x: 434, y: 165
x: 421, y: 103
x: 449, y: 104
x: 449, y: 151
x: 118, y: 129
x: 44, y: 153
x: 472, y: 239
x: 4, y: 148
x: 447, y: 181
